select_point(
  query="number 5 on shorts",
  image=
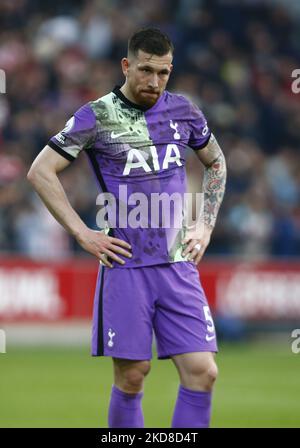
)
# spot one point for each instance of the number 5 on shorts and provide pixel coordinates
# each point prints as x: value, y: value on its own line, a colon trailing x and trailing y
x: 210, y: 326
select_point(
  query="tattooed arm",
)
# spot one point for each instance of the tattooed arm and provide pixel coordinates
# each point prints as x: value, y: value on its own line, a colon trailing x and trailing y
x: 214, y: 182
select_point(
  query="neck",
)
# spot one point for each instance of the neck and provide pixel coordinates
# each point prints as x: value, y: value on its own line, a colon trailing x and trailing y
x: 126, y: 92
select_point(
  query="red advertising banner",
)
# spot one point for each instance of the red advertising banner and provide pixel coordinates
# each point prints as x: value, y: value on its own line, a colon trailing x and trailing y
x: 261, y: 290
x: 46, y: 291
x: 34, y: 291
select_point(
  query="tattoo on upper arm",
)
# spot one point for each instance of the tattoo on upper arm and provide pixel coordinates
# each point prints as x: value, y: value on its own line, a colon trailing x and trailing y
x: 214, y: 182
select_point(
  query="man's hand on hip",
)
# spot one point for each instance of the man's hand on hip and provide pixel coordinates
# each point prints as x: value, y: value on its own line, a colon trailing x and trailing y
x: 196, y: 243
x: 102, y: 246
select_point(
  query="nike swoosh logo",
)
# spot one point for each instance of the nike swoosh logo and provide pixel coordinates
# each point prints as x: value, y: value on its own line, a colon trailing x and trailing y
x: 113, y: 135
x: 209, y: 338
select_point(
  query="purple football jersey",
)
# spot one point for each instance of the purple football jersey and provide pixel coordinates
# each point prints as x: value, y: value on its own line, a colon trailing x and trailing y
x: 138, y: 156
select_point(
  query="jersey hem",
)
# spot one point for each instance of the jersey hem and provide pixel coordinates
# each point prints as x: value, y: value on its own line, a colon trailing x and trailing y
x: 149, y: 265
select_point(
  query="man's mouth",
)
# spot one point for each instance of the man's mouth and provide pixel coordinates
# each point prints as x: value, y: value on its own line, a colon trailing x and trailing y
x: 150, y: 92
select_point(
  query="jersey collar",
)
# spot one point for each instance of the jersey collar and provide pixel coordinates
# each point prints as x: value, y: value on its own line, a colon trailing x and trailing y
x: 125, y: 100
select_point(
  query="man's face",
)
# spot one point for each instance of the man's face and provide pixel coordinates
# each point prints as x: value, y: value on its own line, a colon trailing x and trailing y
x: 146, y: 76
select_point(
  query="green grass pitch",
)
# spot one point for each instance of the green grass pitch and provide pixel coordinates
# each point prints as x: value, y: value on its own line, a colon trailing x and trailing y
x: 258, y: 386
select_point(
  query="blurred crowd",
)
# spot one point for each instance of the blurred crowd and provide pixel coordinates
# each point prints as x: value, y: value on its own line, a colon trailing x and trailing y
x: 232, y: 58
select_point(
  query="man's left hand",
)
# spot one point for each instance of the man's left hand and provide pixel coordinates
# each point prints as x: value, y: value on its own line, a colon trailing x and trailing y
x: 197, y: 243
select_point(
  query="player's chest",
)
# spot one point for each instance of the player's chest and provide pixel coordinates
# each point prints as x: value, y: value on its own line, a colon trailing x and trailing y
x: 156, y: 135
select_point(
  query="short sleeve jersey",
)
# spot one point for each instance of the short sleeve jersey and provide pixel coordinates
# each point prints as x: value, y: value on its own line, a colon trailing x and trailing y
x: 138, y: 156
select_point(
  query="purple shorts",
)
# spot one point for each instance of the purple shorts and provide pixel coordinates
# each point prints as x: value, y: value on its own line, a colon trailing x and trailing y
x: 130, y: 304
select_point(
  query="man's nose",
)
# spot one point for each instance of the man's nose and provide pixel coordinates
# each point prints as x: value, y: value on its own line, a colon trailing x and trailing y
x: 153, y: 81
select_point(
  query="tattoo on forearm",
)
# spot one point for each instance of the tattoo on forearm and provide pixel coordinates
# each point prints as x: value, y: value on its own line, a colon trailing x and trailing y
x: 213, y: 183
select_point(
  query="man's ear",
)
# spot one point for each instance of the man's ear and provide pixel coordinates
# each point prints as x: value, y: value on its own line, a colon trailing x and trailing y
x: 125, y: 66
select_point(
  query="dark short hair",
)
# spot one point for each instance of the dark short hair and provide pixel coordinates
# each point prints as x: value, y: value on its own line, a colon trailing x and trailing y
x: 150, y: 40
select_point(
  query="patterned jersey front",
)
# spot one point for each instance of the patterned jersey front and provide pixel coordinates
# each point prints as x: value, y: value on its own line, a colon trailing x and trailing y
x: 135, y: 150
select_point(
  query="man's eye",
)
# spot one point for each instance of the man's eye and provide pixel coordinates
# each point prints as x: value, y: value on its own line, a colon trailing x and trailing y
x: 146, y: 70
